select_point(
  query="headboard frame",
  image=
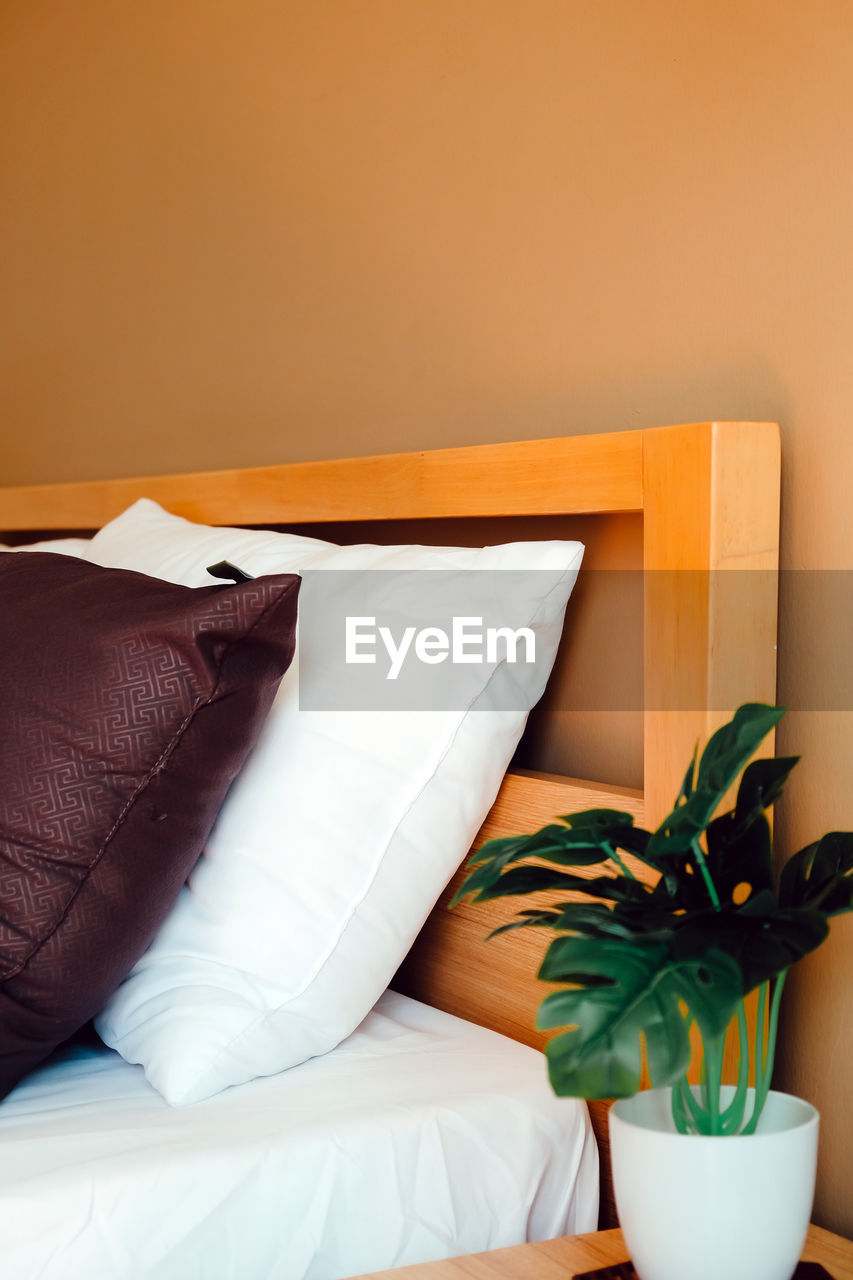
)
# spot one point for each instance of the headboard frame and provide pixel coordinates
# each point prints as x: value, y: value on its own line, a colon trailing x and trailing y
x: 708, y: 492
x: 532, y: 477
x: 709, y: 496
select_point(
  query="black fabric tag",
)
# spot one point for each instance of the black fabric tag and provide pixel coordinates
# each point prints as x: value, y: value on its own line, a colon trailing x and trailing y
x: 229, y: 572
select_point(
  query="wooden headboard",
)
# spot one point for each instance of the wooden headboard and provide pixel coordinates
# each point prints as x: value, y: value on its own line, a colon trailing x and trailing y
x: 709, y: 498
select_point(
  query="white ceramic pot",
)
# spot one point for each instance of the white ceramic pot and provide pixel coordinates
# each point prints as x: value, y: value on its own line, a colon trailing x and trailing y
x: 696, y: 1208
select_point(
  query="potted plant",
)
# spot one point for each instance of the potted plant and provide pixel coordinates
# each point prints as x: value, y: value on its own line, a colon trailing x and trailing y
x: 648, y: 955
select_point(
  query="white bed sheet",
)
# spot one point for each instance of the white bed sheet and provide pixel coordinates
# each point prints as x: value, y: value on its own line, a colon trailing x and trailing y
x: 420, y: 1137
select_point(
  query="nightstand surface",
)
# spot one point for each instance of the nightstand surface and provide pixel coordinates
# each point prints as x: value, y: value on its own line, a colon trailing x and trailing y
x: 561, y: 1259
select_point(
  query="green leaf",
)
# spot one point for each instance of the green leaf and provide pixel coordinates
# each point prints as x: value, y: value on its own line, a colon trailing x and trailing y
x: 617, y: 889
x: 506, y: 849
x: 762, y: 939
x: 528, y: 879
x: 596, y: 920
x: 479, y: 882
x: 533, y: 879
x: 625, y: 991
x: 490, y: 860
x: 604, y: 829
x: 725, y: 755
x: 556, y: 843
x: 585, y: 840
x: 595, y: 820
x: 761, y: 786
x: 678, y: 888
x: 821, y: 875
x: 637, y: 964
x: 740, y: 853
x: 528, y: 920
x: 687, y: 785
x: 732, y: 745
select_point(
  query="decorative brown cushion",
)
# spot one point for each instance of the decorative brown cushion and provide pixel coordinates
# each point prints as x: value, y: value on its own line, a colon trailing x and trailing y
x: 127, y: 706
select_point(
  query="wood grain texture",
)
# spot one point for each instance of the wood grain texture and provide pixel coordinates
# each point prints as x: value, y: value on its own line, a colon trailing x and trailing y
x: 495, y: 983
x: 711, y: 556
x: 567, y: 1256
x: 711, y: 559
x: 545, y: 1260
x: 533, y: 477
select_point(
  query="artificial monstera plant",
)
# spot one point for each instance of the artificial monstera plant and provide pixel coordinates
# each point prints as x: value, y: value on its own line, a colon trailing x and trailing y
x: 640, y: 960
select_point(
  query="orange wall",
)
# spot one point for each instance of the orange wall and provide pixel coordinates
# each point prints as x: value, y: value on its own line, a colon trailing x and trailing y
x: 257, y: 230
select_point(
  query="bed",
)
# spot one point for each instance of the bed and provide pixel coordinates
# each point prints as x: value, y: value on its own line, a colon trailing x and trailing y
x: 430, y: 1129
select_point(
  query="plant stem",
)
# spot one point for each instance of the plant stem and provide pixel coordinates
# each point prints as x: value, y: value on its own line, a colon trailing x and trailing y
x: 733, y: 1114
x: 713, y: 1080
x: 761, y: 1033
x: 762, y: 1083
x: 697, y: 1117
x: 689, y: 1114
x: 679, y: 1113
x: 620, y: 862
x: 705, y: 1117
x: 706, y: 875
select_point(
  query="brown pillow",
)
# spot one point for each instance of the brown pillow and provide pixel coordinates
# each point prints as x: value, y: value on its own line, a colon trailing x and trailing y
x: 127, y: 706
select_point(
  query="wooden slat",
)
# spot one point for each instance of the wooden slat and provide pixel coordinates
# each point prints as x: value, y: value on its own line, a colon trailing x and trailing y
x: 710, y: 556
x: 568, y: 1256
x: 494, y: 984
x: 711, y: 539
x: 558, y: 1259
x: 531, y: 477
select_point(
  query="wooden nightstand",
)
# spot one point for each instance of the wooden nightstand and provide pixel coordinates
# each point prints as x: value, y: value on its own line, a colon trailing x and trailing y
x: 561, y: 1259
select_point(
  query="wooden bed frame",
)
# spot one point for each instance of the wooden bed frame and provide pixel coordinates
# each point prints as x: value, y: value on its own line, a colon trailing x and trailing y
x: 709, y: 498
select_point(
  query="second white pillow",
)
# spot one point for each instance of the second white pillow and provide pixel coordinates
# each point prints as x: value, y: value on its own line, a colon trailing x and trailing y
x: 346, y: 823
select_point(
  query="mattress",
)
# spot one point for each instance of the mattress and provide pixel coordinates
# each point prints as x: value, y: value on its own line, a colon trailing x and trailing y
x: 420, y: 1137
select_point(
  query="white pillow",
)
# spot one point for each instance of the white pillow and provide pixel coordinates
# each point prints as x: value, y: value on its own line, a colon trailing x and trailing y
x: 60, y: 546
x: 344, y: 826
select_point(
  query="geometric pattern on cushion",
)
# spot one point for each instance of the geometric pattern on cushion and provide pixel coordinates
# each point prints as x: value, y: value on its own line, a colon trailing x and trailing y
x: 127, y: 707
